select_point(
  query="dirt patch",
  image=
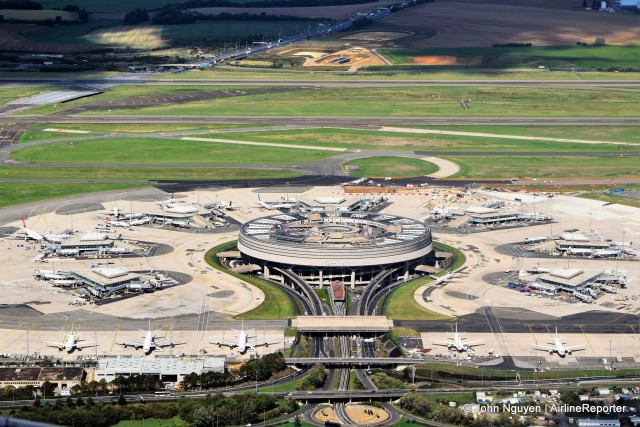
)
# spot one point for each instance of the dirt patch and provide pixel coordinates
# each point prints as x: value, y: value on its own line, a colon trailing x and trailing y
x: 377, y: 36
x: 11, y: 39
x: 326, y: 414
x: 313, y: 55
x: 354, y: 58
x: 470, y: 23
x: 365, y: 414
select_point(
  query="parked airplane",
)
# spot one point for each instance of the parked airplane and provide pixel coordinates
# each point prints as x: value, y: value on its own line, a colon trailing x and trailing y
x: 558, y: 346
x: 71, y: 342
x: 182, y: 208
x: 288, y: 204
x: 149, y: 342
x: 243, y: 342
x: 457, y: 342
x: 219, y: 204
x: 33, y: 235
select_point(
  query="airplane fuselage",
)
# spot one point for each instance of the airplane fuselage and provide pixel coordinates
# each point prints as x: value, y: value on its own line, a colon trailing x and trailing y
x: 242, y: 342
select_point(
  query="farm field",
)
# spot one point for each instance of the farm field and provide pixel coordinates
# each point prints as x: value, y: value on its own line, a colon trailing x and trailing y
x: 496, y: 22
x: 365, y: 139
x: 386, y: 166
x: 545, y: 167
x: 145, y: 173
x: 485, y: 101
x: 39, y: 15
x: 13, y: 193
x: 547, y: 56
x: 156, y: 36
x: 158, y: 151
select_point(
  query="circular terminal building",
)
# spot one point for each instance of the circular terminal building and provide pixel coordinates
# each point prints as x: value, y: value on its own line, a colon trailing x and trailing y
x: 351, y: 247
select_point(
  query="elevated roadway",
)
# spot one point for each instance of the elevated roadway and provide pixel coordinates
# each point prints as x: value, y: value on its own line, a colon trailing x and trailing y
x: 359, y: 361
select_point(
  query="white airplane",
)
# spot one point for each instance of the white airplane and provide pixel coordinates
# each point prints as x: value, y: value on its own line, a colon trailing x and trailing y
x: 243, y: 342
x: 443, y: 279
x: 182, y: 208
x: 288, y: 204
x: 33, y: 235
x: 71, y: 342
x: 219, y: 204
x: 116, y: 223
x: 457, y: 342
x: 149, y: 342
x: 558, y: 346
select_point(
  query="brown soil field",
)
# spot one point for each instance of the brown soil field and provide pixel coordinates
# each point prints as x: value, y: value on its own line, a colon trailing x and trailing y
x: 333, y: 12
x: 444, y: 60
x: 326, y: 414
x: 466, y: 23
x: 360, y: 57
x: 376, y: 36
x: 11, y: 39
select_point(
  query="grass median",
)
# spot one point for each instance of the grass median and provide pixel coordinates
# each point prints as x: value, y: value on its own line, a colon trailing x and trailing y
x: 276, y: 304
x: 157, y: 150
x: 387, y: 166
x: 13, y: 193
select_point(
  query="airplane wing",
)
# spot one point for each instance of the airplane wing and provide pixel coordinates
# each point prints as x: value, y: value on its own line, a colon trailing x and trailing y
x: 54, y: 344
x: 575, y: 348
x: 473, y: 343
x: 168, y: 343
x: 226, y: 343
x: 130, y: 343
x: 544, y: 347
x: 440, y: 342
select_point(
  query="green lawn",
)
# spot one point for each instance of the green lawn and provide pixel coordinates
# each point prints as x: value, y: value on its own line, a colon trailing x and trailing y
x: 13, y: 193
x: 156, y: 150
x: 12, y: 93
x: 150, y: 174
x: 459, y: 398
x: 387, y: 166
x: 548, y: 56
x: 153, y: 422
x: 276, y: 305
x: 486, y: 101
x: 401, y: 305
x: 545, y: 167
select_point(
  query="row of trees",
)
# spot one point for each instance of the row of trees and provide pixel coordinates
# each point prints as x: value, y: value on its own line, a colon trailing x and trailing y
x: 314, y: 379
x: 267, y: 3
x: 20, y: 4
x: 421, y: 407
x: 173, y: 15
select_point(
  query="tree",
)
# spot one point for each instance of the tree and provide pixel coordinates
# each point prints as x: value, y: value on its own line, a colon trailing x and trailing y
x: 122, y: 401
x: 90, y: 401
x: 599, y: 41
x: 584, y: 4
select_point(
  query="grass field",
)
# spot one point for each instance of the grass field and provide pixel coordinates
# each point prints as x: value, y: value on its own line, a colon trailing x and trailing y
x: 401, y: 74
x: 39, y: 15
x: 606, y: 198
x: 548, y: 56
x: 13, y: 193
x: 401, y: 305
x: 153, y: 422
x: 387, y: 166
x: 35, y: 133
x: 459, y: 398
x: 150, y: 174
x: 68, y: 34
x: 276, y: 305
x: 365, y: 139
x: 545, y: 167
x: 153, y: 150
x: 12, y: 93
x: 486, y: 101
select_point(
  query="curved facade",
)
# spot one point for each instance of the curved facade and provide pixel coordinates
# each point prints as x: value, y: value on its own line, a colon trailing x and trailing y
x: 335, y: 245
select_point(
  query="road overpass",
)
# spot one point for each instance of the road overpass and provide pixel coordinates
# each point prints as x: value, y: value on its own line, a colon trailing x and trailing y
x: 352, y: 361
